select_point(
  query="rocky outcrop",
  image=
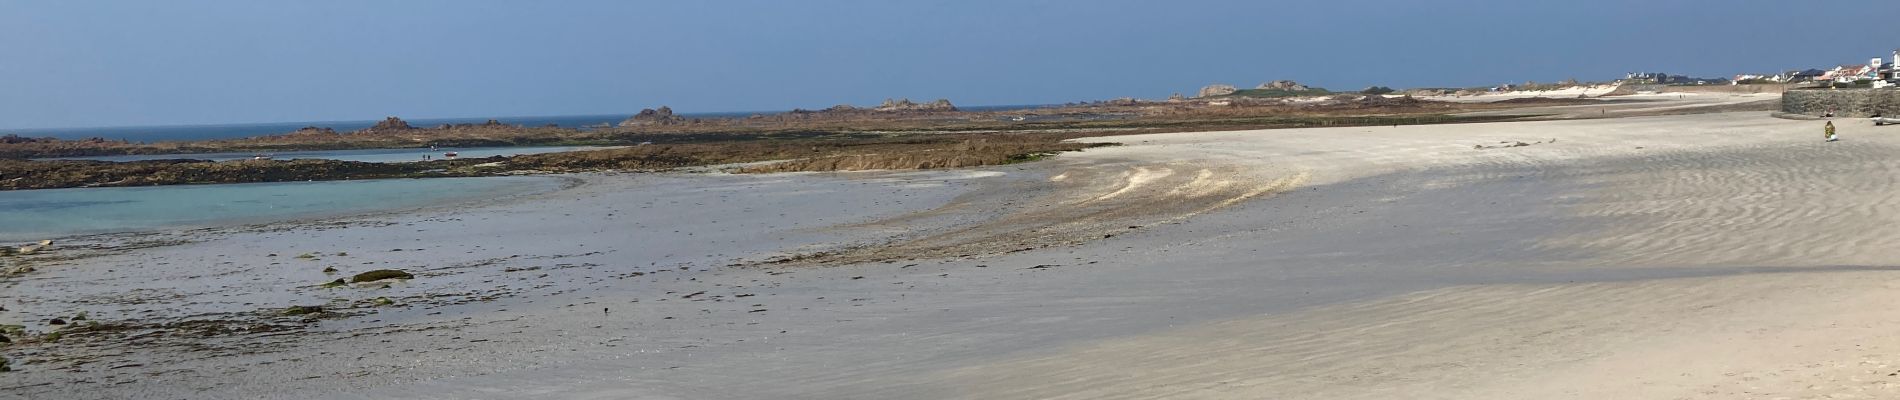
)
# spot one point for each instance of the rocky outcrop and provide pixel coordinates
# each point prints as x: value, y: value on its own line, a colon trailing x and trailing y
x: 17, y: 139
x: 1217, y: 90
x: 650, y: 117
x: 1286, y: 85
x: 906, y: 105
x: 391, y: 124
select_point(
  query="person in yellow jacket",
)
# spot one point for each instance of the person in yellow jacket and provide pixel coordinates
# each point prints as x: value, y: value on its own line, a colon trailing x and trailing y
x: 1829, y: 131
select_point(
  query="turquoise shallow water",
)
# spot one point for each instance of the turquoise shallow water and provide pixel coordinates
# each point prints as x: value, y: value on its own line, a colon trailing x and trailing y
x: 51, y: 213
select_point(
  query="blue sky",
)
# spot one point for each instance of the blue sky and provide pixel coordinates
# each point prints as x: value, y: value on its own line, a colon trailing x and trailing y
x: 116, y: 63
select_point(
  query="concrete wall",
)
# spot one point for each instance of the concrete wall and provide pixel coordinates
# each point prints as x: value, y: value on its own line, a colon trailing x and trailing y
x: 1844, y: 102
x: 1749, y: 88
x: 1629, y: 88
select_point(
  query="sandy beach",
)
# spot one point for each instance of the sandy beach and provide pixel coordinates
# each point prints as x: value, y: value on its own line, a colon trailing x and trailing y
x: 1668, y: 252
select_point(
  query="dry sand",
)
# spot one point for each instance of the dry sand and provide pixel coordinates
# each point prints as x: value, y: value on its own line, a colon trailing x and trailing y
x: 1705, y: 256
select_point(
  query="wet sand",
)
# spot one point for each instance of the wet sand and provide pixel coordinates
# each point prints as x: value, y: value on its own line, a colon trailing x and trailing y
x: 1706, y: 256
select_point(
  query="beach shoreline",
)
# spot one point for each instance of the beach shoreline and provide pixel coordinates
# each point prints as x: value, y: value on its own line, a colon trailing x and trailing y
x: 1639, y: 257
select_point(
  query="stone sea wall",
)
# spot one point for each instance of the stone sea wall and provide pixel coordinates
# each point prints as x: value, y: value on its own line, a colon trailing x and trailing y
x: 1844, y: 102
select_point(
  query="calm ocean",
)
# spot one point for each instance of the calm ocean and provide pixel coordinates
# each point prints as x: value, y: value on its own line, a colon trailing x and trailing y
x: 227, y: 131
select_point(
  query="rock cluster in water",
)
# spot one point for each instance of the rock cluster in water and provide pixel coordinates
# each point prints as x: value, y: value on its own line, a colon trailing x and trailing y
x: 391, y: 124
x: 907, y: 105
x: 649, y: 117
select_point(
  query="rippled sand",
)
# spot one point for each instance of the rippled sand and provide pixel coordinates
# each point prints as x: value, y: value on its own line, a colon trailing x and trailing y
x: 1706, y: 256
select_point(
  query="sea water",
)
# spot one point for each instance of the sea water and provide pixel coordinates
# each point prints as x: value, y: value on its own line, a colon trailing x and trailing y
x: 233, y: 131
x: 365, y: 155
x: 27, y: 215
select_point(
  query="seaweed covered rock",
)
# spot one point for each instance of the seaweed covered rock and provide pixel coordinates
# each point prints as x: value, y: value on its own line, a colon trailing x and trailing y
x: 380, y: 274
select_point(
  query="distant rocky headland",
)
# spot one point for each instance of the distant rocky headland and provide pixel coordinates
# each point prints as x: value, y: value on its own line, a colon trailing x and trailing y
x: 663, y: 124
x: 897, y: 133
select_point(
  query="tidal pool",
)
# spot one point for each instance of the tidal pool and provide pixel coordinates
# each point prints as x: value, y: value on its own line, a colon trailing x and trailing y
x: 51, y: 213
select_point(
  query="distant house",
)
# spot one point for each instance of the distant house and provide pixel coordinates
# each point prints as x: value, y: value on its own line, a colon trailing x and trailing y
x: 1664, y: 78
x: 1847, y: 73
x: 1796, y: 76
x: 1889, y: 72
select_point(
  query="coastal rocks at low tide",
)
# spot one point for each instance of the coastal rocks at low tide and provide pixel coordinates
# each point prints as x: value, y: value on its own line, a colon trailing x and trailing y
x: 314, y: 130
x: 50, y: 174
x: 17, y: 139
x: 391, y: 124
x: 901, y: 106
x: 890, y: 105
x: 490, y: 124
x: 1217, y: 90
x: 380, y: 274
x: 16, y: 146
x: 649, y: 117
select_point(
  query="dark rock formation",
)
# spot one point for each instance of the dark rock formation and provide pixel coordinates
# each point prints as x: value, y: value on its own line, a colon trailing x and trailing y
x: 381, y: 274
x: 17, y: 139
x: 22, y: 174
x: 647, y: 117
x: 391, y: 124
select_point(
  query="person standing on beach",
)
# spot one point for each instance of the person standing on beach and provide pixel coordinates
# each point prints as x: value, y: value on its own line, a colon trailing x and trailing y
x: 1828, y: 131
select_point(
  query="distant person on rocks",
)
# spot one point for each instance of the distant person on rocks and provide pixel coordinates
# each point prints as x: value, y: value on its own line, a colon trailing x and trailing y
x: 1829, y: 131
